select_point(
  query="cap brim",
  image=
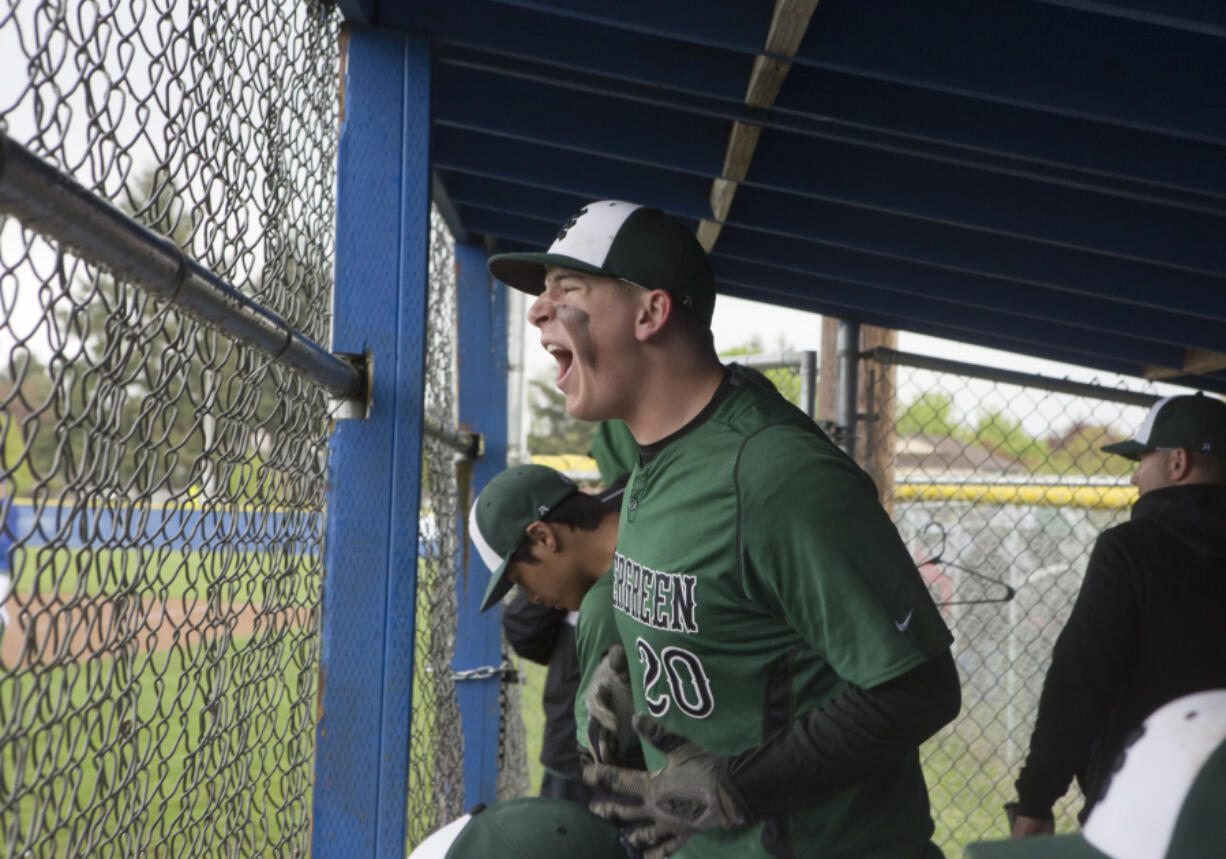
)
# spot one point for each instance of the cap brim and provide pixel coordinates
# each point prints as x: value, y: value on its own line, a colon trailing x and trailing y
x: 526, y: 271
x: 499, y: 584
x: 437, y: 845
x: 1131, y: 448
x: 1037, y: 847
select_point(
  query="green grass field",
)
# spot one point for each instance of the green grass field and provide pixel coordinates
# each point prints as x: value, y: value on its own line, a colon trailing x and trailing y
x: 171, y: 752
x: 168, y: 753
x: 235, y: 577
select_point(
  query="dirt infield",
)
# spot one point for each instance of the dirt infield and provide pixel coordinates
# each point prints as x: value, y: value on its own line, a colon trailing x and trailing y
x: 49, y: 632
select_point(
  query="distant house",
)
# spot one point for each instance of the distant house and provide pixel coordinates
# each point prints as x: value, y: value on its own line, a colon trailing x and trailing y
x: 940, y: 457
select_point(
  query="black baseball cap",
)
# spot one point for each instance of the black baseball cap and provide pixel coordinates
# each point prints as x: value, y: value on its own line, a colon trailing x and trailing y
x: 621, y: 240
x: 1193, y: 422
x: 506, y: 506
x: 1164, y: 800
x: 526, y: 828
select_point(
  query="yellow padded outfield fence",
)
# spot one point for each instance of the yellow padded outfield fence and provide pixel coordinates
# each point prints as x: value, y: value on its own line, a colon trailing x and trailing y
x: 1024, y: 494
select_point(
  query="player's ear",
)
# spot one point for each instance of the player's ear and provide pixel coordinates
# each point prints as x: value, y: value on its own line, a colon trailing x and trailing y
x: 540, y: 534
x: 654, y: 310
x: 1178, y: 464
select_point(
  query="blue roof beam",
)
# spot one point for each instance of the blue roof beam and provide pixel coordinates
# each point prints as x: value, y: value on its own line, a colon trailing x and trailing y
x: 589, y: 176
x: 974, y: 252
x: 872, y: 306
x: 589, y: 122
x: 821, y: 100
x: 1155, y: 323
x: 1103, y: 67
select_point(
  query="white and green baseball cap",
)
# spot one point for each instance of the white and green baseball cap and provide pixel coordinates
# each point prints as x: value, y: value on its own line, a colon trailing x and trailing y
x: 506, y: 506
x: 1193, y: 422
x: 1166, y: 800
x: 621, y: 240
x: 526, y: 828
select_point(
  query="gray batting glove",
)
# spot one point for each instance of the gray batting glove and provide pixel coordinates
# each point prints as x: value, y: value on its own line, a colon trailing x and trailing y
x: 610, y: 706
x: 660, y: 811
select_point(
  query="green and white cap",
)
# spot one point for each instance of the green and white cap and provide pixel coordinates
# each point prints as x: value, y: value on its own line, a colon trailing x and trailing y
x: 526, y: 828
x: 1194, y: 422
x: 1165, y: 800
x: 506, y: 506
x: 621, y: 240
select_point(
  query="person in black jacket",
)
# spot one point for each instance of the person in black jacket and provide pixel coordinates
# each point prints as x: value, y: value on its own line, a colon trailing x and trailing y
x: 1147, y: 626
x: 546, y: 636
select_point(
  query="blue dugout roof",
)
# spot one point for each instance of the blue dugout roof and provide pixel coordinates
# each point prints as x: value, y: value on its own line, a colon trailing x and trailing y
x: 1042, y: 176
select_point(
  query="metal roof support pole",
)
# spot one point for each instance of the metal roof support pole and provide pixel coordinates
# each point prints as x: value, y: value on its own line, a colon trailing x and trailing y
x: 848, y: 384
x: 374, y: 464
x: 482, y: 345
x: 808, y: 382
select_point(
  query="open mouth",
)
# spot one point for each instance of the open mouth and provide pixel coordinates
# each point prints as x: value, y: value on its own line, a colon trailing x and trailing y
x: 565, y: 359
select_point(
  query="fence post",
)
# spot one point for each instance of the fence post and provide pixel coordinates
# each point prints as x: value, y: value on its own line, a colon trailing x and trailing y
x: 374, y: 465
x: 808, y: 382
x: 848, y: 386
x: 482, y: 347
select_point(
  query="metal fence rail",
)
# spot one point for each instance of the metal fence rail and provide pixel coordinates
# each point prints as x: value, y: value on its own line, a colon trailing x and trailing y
x: 163, y: 486
x: 62, y: 211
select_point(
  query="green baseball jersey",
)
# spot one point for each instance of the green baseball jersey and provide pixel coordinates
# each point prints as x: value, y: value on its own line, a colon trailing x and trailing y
x: 595, y: 633
x: 756, y: 575
x: 614, y: 449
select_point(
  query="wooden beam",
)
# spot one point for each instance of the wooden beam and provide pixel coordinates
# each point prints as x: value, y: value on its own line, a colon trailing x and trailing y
x: 1195, y: 362
x: 708, y: 233
x: 788, y: 26
x: 789, y: 21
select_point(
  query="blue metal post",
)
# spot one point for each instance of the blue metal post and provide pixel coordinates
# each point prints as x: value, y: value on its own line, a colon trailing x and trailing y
x: 482, y: 346
x: 382, y: 231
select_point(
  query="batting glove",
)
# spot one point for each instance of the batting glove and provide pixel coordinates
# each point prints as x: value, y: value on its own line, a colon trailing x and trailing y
x: 610, y: 706
x: 660, y: 811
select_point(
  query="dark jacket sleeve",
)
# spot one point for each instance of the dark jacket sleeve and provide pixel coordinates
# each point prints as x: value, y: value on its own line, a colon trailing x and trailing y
x: 857, y: 733
x: 532, y: 630
x: 1089, y: 665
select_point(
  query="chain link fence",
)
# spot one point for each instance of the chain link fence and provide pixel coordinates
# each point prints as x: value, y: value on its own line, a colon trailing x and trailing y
x: 163, y: 486
x: 999, y: 489
x: 436, y: 746
x: 436, y: 743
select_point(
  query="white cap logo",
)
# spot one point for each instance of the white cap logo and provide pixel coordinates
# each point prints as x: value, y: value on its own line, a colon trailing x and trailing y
x: 589, y: 233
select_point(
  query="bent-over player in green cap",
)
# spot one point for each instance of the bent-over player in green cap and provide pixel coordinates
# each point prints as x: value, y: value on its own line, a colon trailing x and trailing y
x: 535, y: 528
x: 785, y: 657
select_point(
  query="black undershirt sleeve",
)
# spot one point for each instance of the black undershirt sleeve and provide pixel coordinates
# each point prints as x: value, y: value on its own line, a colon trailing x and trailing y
x: 531, y: 629
x: 857, y: 733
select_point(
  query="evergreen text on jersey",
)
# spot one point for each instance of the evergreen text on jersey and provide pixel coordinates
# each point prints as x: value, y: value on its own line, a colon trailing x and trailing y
x: 657, y: 599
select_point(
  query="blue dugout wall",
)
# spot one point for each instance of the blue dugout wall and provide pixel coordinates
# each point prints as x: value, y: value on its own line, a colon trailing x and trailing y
x: 383, y: 204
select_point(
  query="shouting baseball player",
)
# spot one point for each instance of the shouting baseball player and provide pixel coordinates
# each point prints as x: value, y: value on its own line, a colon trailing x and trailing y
x: 785, y: 658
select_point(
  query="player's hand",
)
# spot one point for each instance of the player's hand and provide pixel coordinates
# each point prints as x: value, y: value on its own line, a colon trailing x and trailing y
x: 610, y: 706
x: 660, y: 811
x: 1024, y: 827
